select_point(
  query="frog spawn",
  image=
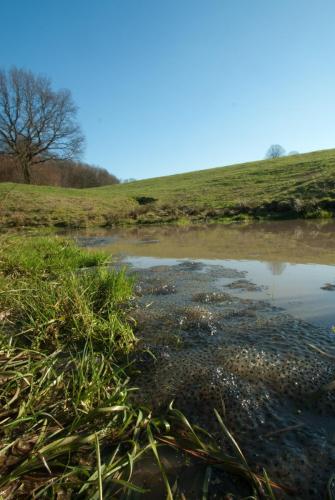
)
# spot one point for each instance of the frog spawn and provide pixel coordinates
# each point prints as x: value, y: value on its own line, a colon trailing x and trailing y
x: 252, y: 410
x: 258, y: 371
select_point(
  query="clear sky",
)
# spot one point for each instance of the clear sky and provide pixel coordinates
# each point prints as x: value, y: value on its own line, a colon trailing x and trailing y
x: 167, y: 86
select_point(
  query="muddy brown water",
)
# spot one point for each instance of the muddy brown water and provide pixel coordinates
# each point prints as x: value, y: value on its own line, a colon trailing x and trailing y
x: 239, y: 319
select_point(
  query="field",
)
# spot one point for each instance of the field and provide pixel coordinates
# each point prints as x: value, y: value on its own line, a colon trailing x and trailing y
x: 289, y: 187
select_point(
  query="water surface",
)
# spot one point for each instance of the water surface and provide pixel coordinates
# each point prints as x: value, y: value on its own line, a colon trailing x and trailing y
x: 289, y: 260
x: 237, y: 319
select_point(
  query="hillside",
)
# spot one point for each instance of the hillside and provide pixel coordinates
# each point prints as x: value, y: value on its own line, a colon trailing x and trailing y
x: 294, y: 186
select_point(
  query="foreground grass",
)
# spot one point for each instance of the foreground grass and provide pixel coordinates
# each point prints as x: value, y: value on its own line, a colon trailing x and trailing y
x: 295, y: 186
x: 67, y: 427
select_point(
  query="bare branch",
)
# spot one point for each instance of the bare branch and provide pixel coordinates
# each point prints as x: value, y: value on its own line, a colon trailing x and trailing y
x: 36, y: 122
x: 275, y: 151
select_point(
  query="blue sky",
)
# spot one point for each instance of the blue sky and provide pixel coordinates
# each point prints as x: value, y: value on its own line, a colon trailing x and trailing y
x: 177, y: 85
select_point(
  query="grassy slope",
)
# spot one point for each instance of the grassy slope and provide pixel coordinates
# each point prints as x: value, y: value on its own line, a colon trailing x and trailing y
x: 252, y: 189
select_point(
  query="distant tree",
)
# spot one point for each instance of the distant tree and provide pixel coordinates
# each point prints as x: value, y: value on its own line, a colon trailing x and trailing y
x: 292, y: 153
x: 126, y: 181
x: 275, y: 151
x: 37, y: 124
x: 63, y: 173
x: 82, y: 175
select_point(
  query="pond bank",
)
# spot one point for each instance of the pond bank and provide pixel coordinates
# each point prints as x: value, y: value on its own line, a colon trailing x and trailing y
x: 77, y: 336
x: 69, y: 422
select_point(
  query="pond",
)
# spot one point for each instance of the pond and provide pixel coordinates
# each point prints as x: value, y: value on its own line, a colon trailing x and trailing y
x: 291, y: 261
x: 239, y: 318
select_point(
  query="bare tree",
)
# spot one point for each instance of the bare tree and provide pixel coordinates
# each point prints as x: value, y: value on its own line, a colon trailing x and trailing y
x: 126, y: 181
x: 275, y: 151
x: 36, y: 123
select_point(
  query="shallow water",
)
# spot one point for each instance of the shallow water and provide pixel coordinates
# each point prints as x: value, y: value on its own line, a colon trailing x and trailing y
x: 291, y: 260
x: 237, y: 320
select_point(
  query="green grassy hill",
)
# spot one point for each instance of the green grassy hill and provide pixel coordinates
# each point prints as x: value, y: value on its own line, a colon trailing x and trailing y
x: 295, y: 186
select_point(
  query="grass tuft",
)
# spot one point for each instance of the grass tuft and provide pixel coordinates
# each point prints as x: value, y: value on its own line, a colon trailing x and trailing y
x: 67, y: 428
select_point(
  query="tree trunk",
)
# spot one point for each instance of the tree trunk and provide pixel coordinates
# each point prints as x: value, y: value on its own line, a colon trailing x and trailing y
x: 25, y: 166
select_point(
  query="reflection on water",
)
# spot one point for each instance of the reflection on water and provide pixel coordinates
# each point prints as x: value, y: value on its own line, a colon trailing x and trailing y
x: 277, y: 268
x: 291, y: 259
x: 301, y: 242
